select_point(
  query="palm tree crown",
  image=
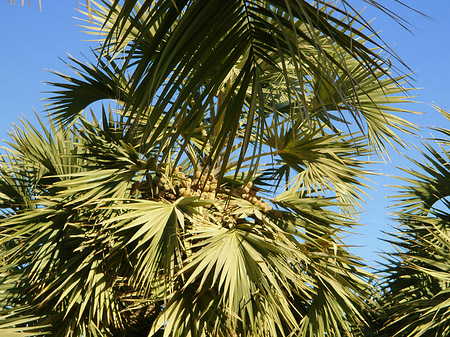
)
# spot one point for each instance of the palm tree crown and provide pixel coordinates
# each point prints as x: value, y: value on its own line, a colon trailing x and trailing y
x: 416, y: 285
x: 209, y: 195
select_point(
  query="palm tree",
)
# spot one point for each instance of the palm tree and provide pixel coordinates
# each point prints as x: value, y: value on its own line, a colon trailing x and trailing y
x: 99, y: 237
x: 208, y: 197
x: 417, y: 284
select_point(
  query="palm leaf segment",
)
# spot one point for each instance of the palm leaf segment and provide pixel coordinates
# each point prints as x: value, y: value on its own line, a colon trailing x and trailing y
x: 166, y: 218
x: 418, y: 273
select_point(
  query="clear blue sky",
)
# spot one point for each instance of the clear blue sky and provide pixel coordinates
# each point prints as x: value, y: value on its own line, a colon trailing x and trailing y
x: 33, y: 41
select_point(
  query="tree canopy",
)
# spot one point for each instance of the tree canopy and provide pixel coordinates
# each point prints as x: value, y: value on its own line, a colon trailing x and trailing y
x: 197, y: 177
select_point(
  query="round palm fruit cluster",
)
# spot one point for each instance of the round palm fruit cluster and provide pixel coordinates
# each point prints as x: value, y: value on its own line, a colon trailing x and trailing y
x: 204, y: 185
x: 177, y: 186
x: 249, y: 192
x: 180, y: 185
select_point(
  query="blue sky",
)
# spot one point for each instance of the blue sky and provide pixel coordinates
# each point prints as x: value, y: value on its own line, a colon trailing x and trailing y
x: 34, y: 41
